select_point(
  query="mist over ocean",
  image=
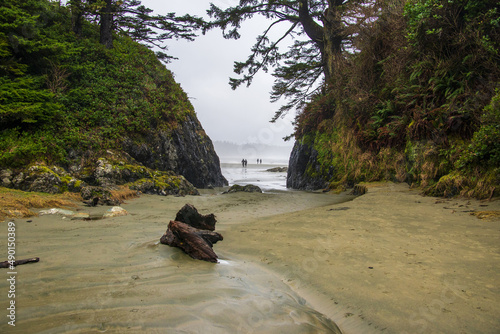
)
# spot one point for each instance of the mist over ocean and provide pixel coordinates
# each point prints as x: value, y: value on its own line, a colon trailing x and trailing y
x: 269, y: 154
x: 255, y: 172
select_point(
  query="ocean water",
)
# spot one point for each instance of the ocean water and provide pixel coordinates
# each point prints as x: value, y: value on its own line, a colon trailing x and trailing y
x: 255, y: 174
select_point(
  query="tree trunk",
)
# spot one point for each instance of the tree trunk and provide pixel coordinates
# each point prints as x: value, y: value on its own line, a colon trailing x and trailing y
x: 333, y: 37
x: 189, y: 215
x: 329, y: 37
x: 313, y: 30
x: 76, y: 16
x: 193, y: 233
x: 107, y: 25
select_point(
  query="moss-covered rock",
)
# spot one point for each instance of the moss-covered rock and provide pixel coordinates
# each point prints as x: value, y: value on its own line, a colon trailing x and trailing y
x: 249, y: 188
x: 95, y: 178
x: 98, y: 194
x: 164, y: 183
x: 41, y: 178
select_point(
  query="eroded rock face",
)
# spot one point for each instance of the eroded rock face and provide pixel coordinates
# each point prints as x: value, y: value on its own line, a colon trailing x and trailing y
x: 95, y: 180
x: 40, y: 178
x: 187, y: 151
x: 164, y: 162
x: 302, y: 168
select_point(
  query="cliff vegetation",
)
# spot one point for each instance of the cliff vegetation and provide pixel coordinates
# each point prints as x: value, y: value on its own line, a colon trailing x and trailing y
x: 75, y: 112
x: 417, y: 100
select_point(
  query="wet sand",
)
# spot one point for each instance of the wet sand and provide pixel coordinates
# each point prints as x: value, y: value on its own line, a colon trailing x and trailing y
x: 389, y: 261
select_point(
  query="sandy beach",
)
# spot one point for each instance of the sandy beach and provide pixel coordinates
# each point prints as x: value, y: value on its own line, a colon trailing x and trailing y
x: 389, y: 261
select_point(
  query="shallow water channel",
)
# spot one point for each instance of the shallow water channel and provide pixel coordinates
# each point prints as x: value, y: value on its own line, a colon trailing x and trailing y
x: 113, y: 276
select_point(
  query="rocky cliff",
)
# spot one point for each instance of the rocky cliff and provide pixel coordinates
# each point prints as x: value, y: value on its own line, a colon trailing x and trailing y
x: 163, y: 162
x: 186, y: 150
x: 303, y: 161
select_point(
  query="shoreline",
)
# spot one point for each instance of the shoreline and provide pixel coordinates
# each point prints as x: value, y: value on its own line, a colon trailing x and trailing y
x: 390, y: 260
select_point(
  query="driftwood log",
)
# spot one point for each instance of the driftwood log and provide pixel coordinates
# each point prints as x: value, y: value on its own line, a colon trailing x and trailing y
x: 195, y: 242
x: 7, y: 264
x: 193, y: 233
x: 189, y: 215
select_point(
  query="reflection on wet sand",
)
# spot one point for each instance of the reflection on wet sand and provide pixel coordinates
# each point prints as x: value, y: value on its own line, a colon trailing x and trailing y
x: 113, y: 276
x: 389, y: 261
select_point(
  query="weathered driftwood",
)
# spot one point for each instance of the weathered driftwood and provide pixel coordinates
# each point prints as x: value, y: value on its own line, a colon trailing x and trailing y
x: 7, y: 264
x: 189, y: 215
x: 195, y: 242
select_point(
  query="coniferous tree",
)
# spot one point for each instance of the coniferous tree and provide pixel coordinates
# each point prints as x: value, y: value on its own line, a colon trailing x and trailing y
x: 131, y: 18
x: 321, y: 30
x: 106, y: 24
x: 77, y: 11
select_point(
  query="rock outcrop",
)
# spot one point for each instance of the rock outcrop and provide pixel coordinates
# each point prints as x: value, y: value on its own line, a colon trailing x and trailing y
x: 249, y: 188
x: 95, y: 179
x: 303, y: 169
x: 187, y: 150
x: 162, y: 162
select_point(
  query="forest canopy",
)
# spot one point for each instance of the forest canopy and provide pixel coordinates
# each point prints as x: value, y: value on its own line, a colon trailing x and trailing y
x: 63, y: 91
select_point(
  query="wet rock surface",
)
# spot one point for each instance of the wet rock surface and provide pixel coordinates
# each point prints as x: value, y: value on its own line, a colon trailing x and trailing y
x: 277, y: 170
x: 249, y: 188
x: 187, y: 151
x: 163, y: 162
x: 302, y: 168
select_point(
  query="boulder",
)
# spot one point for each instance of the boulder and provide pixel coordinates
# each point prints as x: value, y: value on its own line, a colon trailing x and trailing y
x: 115, y: 211
x: 5, y: 178
x: 249, y: 188
x: 164, y: 184
x: 277, y: 169
x: 98, y: 196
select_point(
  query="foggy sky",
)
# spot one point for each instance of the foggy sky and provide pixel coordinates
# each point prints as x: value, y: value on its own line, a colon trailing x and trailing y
x: 203, y: 70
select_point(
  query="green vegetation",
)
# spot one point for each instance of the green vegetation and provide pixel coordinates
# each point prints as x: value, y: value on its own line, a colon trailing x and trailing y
x: 61, y: 92
x: 419, y: 102
x: 18, y: 204
x: 410, y: 90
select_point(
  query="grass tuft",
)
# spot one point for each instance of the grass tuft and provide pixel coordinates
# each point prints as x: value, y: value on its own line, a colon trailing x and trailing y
x: 19, y: 204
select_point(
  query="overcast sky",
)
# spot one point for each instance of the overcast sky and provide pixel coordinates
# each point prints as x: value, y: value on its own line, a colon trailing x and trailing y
x: 203, y: 70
